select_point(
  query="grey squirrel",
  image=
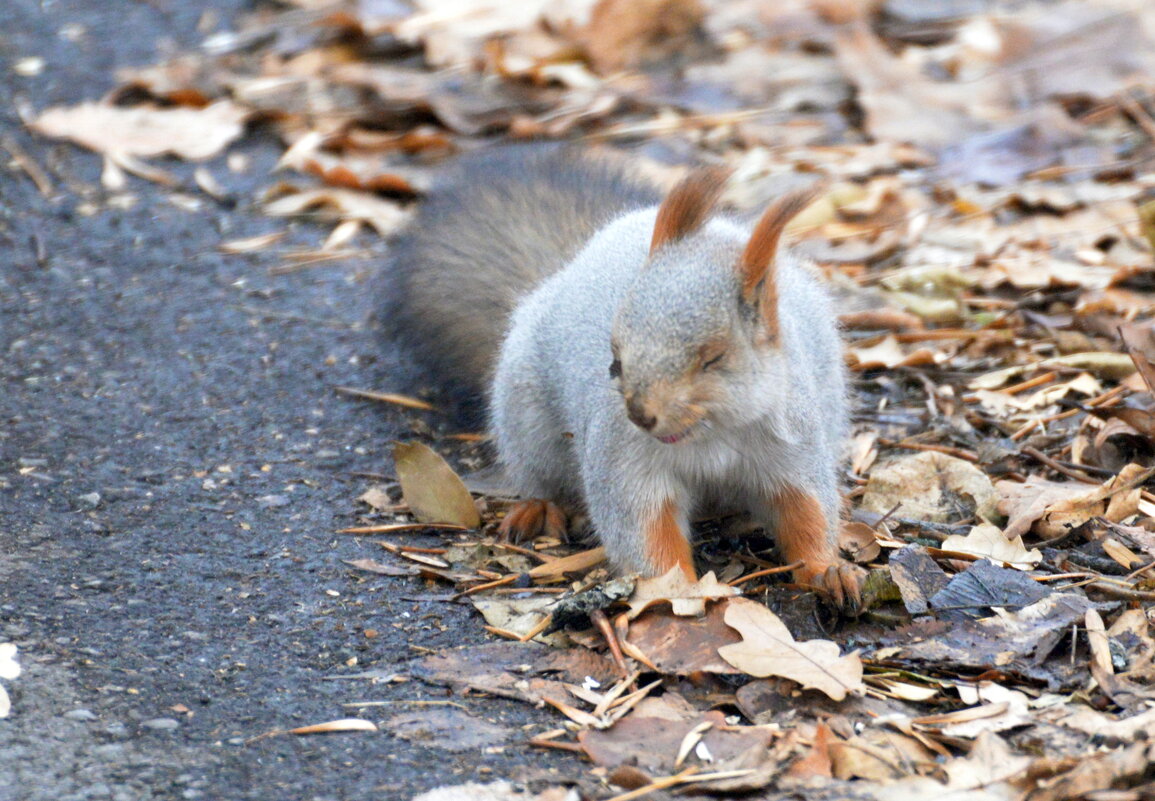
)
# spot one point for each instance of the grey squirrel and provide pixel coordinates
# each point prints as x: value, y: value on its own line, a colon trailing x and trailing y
x: 641, y: 360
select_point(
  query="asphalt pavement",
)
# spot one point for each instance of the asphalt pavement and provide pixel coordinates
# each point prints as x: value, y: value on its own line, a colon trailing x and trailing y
x: 174, y: 463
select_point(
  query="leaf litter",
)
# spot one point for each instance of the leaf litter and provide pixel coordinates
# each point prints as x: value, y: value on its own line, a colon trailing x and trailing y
x: 988, y: 229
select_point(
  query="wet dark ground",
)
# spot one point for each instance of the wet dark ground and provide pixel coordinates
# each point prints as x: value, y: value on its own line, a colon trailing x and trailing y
x: 174, y: 462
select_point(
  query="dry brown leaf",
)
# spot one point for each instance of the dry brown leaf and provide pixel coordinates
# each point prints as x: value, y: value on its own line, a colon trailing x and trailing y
x: 1051, y: 508
x: 768, y: 649
x: 990, y: 542
x: 680, y: 645
x: 685, y: 597
x: 380, y: 568
x: 1116, y: 366
x: 930, y: 486
x: 574, y: 563
x: 889, y: 353
x: 627, y: 33
x: 518, y: 615
x: 878, y: 755
x: 432, y: 489
x: 193, y: 134
x: 338, y: 204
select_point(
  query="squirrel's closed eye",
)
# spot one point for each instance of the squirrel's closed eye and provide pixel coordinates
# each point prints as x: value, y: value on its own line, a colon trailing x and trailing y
x: 616, y: 368
x: 711, y: 355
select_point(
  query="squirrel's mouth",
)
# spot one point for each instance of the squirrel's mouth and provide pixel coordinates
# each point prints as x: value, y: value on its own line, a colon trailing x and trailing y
x: 671, y: 439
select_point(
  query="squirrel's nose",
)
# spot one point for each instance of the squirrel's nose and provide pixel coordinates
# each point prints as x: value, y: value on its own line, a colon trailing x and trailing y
x: 639, y: 416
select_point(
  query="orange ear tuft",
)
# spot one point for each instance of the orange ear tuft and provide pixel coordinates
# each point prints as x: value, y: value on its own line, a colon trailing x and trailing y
x: 756, y: 264
x: 688, y: 204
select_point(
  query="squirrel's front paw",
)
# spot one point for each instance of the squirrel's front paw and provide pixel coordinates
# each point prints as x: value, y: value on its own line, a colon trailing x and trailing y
x: 531, y: 518
x: 841, y: 582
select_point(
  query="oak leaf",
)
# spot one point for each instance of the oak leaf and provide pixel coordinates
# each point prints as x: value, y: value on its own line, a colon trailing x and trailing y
x: 768, y: 649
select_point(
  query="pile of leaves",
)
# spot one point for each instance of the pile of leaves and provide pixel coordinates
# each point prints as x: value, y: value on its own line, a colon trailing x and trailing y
x: 988, y: 227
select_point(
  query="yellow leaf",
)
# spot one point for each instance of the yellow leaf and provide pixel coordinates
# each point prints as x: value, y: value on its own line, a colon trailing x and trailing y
x: 434, y: 492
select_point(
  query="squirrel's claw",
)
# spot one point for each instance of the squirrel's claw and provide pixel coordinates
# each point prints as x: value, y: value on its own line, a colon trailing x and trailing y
x: 532, y: 518
x: 842, y: 582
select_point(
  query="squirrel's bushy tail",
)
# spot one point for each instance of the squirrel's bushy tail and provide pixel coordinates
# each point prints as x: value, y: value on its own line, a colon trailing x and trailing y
x: 491, y: 231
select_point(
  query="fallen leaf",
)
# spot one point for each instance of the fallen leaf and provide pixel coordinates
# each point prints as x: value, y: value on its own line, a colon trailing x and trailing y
x: 451, y: 730
x: 336, y: 204
x: 930, y: 486
x: 1051, y: 508
x: 990, y: 542
x: 982, y: 586
x: 685, y: 597
x: 1106, y: 364
x: 432, y: 489
x: 680, y: 645
x: 768, y: 649
x: 195, y: 134
x: 380, y: 568
x: 889, y: 353
x: 574, y: 563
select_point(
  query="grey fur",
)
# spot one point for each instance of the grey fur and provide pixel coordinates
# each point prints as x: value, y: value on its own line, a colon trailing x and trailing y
x: 486, y: 235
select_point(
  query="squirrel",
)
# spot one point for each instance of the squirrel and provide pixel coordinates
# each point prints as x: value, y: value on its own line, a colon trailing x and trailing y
x: 642, y: 358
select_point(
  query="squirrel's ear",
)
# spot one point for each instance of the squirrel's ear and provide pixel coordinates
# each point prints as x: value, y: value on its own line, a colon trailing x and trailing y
x: 759, y: 284
x: 688, y: 204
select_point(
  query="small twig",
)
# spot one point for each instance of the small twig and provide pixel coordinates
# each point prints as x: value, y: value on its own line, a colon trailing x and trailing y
x: 1120, y: 593
x: 1031, y: 383
x: 657, y: 784
x: 770, y: 571
x: 387, y: 397
x: 31, y: 168
x: 489, y: 585
x: 1058, y: 467
x: 1137, y: 112
x: 602, y: 623
x: 538, y: 628
x: 960, y: 453
x: 541, y: 742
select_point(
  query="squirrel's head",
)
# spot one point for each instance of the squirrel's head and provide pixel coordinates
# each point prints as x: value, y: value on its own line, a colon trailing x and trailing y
x: 685, y: 369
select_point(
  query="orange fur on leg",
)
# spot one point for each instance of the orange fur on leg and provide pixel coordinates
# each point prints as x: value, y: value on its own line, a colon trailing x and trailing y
x: 666, y: 545
x: 802, y: 537
x: 802, y: 533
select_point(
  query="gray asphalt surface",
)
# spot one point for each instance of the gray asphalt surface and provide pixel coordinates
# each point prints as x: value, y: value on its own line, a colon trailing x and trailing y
x: 173, y: 464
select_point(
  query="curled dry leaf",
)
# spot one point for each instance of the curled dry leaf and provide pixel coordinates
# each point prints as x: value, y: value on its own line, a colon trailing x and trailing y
x: 434, y: 492
x: 768, y: 649
x: 195, y: 134
x: 685, y: 597
x: 339, y: 204
x: 888, y: 353
x: 989, y: 541
x: 1051, y: 508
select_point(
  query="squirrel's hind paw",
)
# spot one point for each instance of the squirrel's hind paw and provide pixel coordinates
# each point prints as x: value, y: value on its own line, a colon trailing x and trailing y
x: 532, y: 518
x: 842, y: 583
